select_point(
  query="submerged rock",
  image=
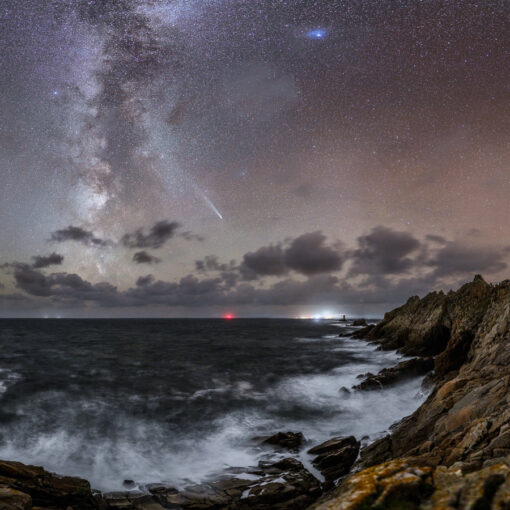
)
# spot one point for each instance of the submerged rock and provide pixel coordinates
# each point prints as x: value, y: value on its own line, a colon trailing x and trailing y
x: 389, y: 376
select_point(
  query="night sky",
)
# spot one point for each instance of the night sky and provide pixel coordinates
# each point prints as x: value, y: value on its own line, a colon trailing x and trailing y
x: 253, y: 157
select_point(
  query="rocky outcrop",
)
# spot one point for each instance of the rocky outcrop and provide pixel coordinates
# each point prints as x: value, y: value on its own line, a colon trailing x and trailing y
x: 359, y: 322
x: 437, y: 324
x: 454, y: 451
x: 467, y: 415
x: 389, y: 376
x: 406, y: 485
x: 335, y: 457
x: 284, y: 485
x: 25, y: 487
x: 291, y: 441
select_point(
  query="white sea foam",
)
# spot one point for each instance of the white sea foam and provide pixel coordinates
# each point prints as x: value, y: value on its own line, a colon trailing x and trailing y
x: 7, y: 378
x: 147, y: 452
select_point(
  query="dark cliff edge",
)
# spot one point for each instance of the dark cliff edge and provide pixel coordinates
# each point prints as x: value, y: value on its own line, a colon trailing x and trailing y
x: 453, y: 452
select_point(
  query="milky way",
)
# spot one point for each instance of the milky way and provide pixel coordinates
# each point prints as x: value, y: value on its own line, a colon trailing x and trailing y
x: 339, y: 153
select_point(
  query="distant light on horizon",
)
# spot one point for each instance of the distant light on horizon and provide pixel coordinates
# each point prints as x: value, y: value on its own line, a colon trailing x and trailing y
x: 326, y: 315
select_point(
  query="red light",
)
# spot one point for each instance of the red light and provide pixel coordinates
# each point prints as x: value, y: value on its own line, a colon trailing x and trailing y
x: 228, y: 316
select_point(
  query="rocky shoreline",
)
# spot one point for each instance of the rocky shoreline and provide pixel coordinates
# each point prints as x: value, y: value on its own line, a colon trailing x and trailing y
x: 453, y: 452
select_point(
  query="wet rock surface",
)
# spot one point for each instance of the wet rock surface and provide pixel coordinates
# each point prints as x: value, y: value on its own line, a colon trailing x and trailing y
x: 389, y: 376
x: 282, y: 485
x: 33, y: 486
x: 291, y: 441
x: 334, y: 458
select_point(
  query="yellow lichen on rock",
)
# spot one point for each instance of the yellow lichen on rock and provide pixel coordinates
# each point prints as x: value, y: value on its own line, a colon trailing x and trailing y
x: 375, y: 485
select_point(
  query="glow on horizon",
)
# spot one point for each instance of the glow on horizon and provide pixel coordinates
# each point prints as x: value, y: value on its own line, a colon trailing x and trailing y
x: 325, y: 315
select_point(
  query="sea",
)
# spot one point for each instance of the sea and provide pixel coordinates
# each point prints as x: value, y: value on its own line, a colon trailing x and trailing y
x: 183, y: 401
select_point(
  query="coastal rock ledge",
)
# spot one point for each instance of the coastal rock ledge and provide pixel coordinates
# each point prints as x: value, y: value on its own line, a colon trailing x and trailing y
x: 453, y: 452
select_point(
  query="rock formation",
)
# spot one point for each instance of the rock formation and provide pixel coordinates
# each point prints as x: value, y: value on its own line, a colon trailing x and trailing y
x: 453, y: 452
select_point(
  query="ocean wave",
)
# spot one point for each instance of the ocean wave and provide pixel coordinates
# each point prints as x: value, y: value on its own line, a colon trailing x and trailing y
x: 100, y: 437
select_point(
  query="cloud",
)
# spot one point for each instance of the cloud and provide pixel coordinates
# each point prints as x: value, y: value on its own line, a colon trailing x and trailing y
x: 78, y: 234
x: 309, y: 255
x: 63, y: 286
x: 212, y: 263
x: 142, y: 281
x: 456, y: 258
x: 394, y: 265
x: 189, y: 236
x: 383, y: 252
x: 142, y: 257
x: 46, y: 261
x: 31, y: 281
x: 266, y: 261
x: 158, y: 235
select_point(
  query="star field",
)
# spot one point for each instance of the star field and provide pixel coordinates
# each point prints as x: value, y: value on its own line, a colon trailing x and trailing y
x: 244, y: 127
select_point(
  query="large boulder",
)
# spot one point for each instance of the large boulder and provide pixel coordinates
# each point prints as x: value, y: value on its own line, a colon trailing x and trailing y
x: 291, y: 441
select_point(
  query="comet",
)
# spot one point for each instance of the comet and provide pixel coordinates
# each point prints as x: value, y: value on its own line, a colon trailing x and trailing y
x: 212, y: 206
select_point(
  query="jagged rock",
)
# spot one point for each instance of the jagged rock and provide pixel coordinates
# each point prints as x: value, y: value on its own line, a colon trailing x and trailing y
x: 288, y: 440
x: 377, y: 452
x: 285, y: 485
x: 47, y: 489
x: 363, y: 333
x: 388, y: 376
x: 294, y: 490
x: 403, y: 484
x: 462, y: 430
x: 438, y: 322
x: 11, y: 499
x: 333, y: 444
x: 335, y: 457
x: 359, y: 322
x: 130, y: 500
